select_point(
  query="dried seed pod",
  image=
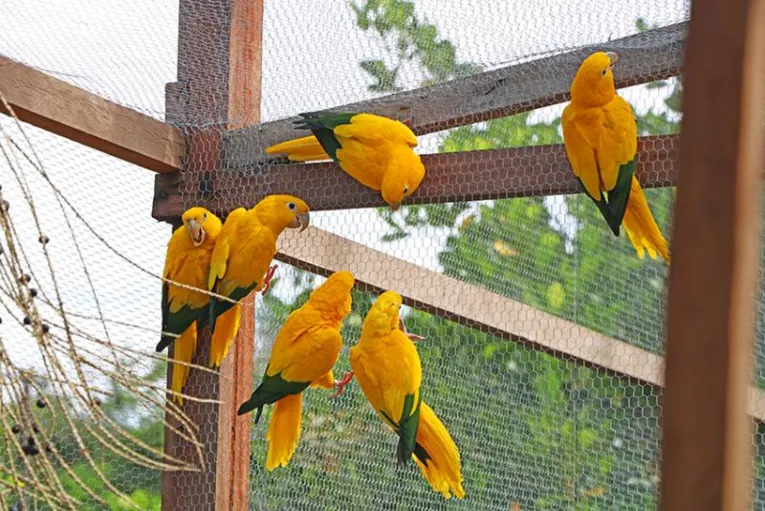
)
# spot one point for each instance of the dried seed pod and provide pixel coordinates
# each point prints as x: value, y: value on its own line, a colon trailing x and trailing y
x: 44, y: 239
x: 45, y: 328
x: 33, y: 292
x: 41, y: 403
x: 16, y: 429
x: 25, y: 278
x: 27, y: 320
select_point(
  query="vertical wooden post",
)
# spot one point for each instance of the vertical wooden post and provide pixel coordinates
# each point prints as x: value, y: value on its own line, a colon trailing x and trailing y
x: 707, y: 434
x: 218, y: 88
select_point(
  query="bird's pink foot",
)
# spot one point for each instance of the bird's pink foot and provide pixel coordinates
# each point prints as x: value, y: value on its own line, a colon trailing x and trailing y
x: 342, y: 383
x: 267, y: 279
x: 413, y: 337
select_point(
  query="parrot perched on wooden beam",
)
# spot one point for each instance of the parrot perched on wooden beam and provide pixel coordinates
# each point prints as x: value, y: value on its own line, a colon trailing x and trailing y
x: 376, y: 151
x: 242, y: 256
x: 187, y: 261
x: 600, y: 136
x: 305, y: 349
x: 387, y: 366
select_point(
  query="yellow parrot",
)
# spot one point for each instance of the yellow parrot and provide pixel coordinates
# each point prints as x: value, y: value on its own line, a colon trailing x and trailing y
x: 187, y: 262
x: 241, y: 258
x: 376, y: 151
x: 386, y: 363
x: 600, y: 136
x: 305, y: 349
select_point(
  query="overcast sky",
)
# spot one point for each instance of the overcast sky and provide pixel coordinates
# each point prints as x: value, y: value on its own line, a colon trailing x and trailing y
x: 126, y: 52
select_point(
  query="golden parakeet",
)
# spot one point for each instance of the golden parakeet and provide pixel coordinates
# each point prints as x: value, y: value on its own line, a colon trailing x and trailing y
x: 243, y: 252
x: 387, y: 366
x: 305, y: 349
x: 183, y: 310
x: 376, y: 151
x: 600, y: 135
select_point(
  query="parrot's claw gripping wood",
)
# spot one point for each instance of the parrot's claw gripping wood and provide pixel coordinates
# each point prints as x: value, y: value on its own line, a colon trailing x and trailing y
x: 413, y: 337
x: 342, y: 383
x: 267, y: 279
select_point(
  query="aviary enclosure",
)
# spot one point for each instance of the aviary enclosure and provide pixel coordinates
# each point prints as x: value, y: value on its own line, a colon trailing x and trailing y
x: 544, y: 349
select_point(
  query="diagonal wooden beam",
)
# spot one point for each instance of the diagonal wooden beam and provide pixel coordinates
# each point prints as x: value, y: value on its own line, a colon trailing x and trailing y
x: 322, y: 252
x: 652, y: 55
x: 67, y: 110
x: 452, y: 177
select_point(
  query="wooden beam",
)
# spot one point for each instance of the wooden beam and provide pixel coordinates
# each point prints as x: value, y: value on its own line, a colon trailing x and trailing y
x: 218, y: 87
x: 645, y: 57
x: 322, y: 252
x: 707, y: 442
x: 244, y: 89
x: 64, y: 109
x: 452, y: 177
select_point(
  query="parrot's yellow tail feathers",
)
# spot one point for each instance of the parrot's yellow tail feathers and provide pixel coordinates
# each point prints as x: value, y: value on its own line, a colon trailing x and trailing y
x: 184, y: 348
x: 226, y: 328
x: 441, y: 464
x: 300, y: 149
x: 284, y: 430
x: 641, y: 227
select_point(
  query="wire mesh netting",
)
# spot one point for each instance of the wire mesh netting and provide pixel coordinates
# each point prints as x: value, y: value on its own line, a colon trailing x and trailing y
x: 520, y: 289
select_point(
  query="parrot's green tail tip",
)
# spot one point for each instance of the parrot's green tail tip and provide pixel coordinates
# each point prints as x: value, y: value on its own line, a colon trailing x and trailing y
x: 163, y: 343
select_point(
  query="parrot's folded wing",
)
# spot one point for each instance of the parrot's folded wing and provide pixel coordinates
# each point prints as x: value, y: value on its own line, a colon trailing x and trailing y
x: 219, y: 259
x: 372, y: 129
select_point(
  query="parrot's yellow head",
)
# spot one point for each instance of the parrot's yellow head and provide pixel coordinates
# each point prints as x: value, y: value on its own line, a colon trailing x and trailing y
x: 383, y: 318
x: 403, y: 177
x: 334, y: 296
x: 593, y: 84
x: 281, y: 211
x: 201, y: 225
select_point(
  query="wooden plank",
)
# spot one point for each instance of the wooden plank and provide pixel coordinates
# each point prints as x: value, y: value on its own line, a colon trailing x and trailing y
x: 200, y: 98
x: 706, y: 463
x: 244, y: 88
x: 322, y: 252
x: 648, y: 56
x: 64, y: 109
x: 452, y: 177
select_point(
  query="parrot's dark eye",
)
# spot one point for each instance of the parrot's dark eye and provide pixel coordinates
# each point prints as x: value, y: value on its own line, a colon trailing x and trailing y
x: 406, y: 189
x: 292, y: 206
x: 603, y: 73
x: 204, y: 217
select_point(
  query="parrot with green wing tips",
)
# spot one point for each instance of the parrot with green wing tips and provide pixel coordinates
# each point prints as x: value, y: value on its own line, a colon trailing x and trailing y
x: 305, y: 349
x: 387, y: 366
x: 186, y: 262
x: 376, y: 151
x: 240, y: 262
x: 600, y: 136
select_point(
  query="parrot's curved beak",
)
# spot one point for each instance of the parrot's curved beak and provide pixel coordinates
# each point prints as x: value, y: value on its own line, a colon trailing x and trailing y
x: 303, y: 221
x: 395, y: 205
x: 196, y: 231
x: 613, y: 57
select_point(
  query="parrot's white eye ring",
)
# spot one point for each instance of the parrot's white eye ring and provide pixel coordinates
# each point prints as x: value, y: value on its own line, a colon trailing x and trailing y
x: 292, y: 206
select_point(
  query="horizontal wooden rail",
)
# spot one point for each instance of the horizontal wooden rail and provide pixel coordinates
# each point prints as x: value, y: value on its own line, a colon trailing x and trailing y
x: 652, y: 55
x: 322, y: 252
x: 452, y: 177
x: 67, y: 110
